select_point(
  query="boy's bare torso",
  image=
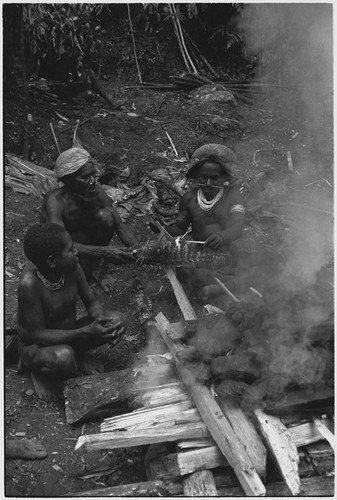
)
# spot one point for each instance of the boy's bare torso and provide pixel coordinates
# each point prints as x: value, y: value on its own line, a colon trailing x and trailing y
x: 57, y: 308
x: 204, y: 224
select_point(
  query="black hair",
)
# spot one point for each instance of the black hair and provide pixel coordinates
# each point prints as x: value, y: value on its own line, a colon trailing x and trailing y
x: 68, y: 179
x: 42, y: 240
x: 193, y: 171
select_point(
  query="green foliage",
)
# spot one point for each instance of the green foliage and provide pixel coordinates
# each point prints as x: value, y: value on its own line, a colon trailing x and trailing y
x: 231, y: 39
x: 71, y: 30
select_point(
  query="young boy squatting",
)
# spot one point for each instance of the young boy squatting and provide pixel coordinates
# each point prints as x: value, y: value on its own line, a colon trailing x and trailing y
x: 214, y: 207
x: 51, y: 340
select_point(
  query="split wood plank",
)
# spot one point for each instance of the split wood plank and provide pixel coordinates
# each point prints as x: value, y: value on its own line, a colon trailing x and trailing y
x: 173, y: 430
x: 226, y: 439
x: 187, y: 444
x: 184, y: 303
x: 120, y: 439
x: 317, y: 486
x: 325, y: 432
x: 245, y: 432
x: 170, y: 465
x: 282, y: 448
x: 143, y: 489
x: 164, y: 394
x: 183, y: 463
x: 200, y: 484
x: 160, y: 417
x: 206, y: 484
x: 219, y: 427
x: 307, y: 432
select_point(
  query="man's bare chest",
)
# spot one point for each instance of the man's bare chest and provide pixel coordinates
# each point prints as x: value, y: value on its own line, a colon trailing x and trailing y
x: 219, y: 213
x: 60, y: 305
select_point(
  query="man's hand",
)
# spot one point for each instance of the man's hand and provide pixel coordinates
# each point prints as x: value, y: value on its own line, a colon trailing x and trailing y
x: 214, y: 241
x: 108, y: 328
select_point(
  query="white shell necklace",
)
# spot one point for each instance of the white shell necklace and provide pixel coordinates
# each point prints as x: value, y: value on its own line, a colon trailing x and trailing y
x: 49, y: 284
x: 205, y: 205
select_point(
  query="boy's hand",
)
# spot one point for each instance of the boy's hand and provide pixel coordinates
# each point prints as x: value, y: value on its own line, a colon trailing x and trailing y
x: 105, y: 327
x: 214, y: 241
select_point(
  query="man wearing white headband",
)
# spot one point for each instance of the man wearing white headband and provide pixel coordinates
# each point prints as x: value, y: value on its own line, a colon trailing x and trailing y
x: 82, y: 207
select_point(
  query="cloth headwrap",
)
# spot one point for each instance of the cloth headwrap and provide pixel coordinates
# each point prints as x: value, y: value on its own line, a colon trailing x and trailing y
x: 222, y: 154
x: 70, y: 161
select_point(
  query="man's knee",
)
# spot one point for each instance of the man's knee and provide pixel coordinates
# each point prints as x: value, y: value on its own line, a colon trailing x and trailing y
x: 60, y: 359
x: 104, y: 217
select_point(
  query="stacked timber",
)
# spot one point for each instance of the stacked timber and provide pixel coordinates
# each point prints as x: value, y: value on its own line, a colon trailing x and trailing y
x: 202, y: 444
x: 295, y: 447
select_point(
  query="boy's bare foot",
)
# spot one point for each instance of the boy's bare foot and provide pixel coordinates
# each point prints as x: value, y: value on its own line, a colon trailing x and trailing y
x: 88, y: 364
x: 209, y: 292
x: 24, y: 449
x: 46, y: 388
x: 107, y: 283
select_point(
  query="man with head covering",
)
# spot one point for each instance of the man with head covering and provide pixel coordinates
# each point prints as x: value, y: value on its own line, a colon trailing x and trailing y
x: 214, y: 207
x: 82, y: 207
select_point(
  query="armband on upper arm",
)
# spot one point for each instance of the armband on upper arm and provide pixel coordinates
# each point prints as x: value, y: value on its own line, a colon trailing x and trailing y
x: 238, y: 208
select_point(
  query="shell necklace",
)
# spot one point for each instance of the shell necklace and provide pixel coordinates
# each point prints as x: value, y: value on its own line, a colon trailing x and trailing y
x: 205, y: 205
x: 49, y: 284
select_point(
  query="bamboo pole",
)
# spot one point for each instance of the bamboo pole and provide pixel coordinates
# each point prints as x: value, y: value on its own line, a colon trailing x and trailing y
x: 182, y: 39
x: 134, y: 44
x: 178, y: 38
x: 200, y: 54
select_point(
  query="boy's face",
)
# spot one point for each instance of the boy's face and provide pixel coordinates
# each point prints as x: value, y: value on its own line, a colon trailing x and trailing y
x: 210, y: 178
x: 84, y: 182
x: 67, y: 260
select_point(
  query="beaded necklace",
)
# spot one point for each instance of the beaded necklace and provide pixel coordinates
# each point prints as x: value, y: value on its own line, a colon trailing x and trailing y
x: 49, y: 284
x: 205, y: 205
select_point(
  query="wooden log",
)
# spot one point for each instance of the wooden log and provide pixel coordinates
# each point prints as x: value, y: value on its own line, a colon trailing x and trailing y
x: 101, y: 91
x: 245, y: 432
x: 143, y: 489
x: 282, y: 449
x: 318, y: 486
x: 200, y: 484
x: 180, y: 294
x: 90, y: 397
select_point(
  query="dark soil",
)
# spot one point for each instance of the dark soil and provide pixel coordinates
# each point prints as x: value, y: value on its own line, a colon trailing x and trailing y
x: 118, y: 139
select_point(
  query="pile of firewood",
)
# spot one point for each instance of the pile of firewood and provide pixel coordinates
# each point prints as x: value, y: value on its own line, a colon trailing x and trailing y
x: 201, y: 443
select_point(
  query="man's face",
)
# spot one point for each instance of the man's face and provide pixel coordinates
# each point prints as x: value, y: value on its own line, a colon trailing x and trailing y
x: 67, y: 260
x: 84, y: 182
x: 210, y: 178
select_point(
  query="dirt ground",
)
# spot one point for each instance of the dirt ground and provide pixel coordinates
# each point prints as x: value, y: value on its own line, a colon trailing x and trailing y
x: 121, y: 138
